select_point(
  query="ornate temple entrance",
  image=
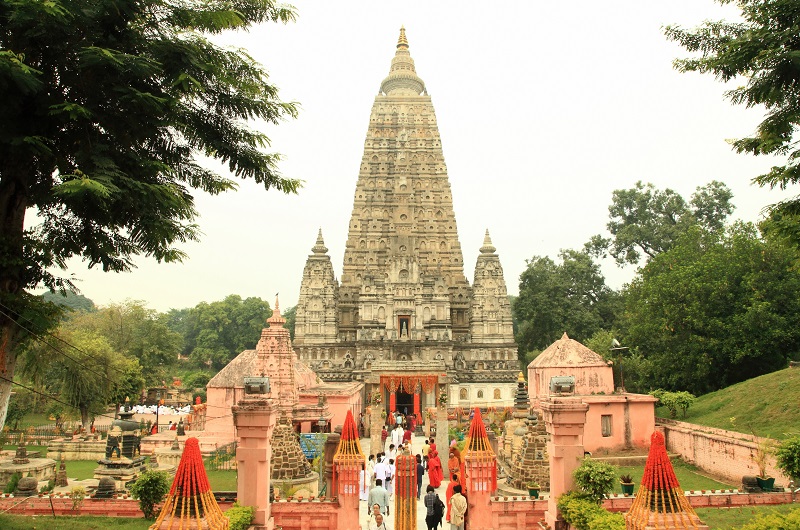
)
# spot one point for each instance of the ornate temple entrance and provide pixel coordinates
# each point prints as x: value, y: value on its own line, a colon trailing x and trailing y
x: 408, y: 394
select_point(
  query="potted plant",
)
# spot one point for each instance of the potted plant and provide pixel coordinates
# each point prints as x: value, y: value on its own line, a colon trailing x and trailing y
x: 533, y: 489
x: 626, y: 483
x: 764, y: 449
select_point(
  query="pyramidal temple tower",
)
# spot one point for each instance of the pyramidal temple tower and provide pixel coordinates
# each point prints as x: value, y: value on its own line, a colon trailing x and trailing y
x: 403, y: 318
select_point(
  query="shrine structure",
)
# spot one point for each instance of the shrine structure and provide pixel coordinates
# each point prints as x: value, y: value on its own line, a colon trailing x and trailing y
x: 300, y: 396
x: 404, y: 319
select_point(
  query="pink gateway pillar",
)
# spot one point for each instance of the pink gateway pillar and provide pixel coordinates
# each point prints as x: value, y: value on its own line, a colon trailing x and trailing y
x: 564, y: 419
x: 254, y: 420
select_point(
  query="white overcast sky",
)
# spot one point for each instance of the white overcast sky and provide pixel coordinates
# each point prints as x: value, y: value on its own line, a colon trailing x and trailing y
x: 544, y: 108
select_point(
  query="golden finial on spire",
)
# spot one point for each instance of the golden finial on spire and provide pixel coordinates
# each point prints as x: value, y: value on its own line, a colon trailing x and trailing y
x: 402, y: 41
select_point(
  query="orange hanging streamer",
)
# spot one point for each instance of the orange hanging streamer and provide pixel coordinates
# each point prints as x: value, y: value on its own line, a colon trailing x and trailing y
x: 660, y: 503
x: 190, y: 497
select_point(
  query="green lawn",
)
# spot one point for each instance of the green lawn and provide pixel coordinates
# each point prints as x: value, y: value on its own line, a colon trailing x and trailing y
x: 730, y: 518
x: 765, y: 404
x: 222, y: 480
x: 41, y: 522
x: 688, y: 477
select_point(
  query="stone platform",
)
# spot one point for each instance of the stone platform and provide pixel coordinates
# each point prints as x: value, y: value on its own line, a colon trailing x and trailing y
x: 39, y: 468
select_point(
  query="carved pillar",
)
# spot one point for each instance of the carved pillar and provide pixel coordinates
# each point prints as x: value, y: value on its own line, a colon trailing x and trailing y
x: 331, y: 444
x: 564, y: 419
x: 254, y: 421
x: 482, y: 478
x: 347, y: 474
x: 392, y: 406
x: 405, y: 506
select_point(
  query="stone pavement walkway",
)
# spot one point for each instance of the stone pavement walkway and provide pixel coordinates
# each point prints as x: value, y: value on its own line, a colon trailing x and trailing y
x: 416, y: 448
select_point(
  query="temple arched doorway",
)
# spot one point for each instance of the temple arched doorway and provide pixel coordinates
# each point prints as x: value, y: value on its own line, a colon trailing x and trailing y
x: 405, y: 402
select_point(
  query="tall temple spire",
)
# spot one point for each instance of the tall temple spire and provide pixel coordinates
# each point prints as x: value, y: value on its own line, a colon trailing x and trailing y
x: 402, y: 40
x: 487, y: 247
x: 402, y: 79
x: 403, y: 302
x: 319, y: 247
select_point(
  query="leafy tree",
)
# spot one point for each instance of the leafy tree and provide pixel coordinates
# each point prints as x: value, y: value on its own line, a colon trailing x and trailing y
x: 554, y: 298
x: 150, y: 488
x: 647, y: 221
x: 73, y: 301
x: 136, y: 332
x: 595, y: 478
x: 674, y: 401
x: 762, y: 51
x: 788, y: 456
x: 218, y: 331
x: 16, y: 412
x: 714, y: 310
x: 127, y: 383
x: 86, y: 378
x: 290, y: 315
x: 106, y: 107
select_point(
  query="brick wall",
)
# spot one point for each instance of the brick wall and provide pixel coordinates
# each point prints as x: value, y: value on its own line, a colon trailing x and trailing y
x: 306, y: 515
x: 724, y: 453
x: 510, y: 514
x: 63, y: 506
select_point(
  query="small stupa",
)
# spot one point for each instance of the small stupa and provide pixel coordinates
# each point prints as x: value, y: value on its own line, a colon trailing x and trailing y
x: 288, y: 461
x: 660, y: 503
x: 190, y: 503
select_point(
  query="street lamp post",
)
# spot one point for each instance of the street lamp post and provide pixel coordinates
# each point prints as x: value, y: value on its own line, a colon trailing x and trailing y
x: 158, y: 404
x: 616, y: 346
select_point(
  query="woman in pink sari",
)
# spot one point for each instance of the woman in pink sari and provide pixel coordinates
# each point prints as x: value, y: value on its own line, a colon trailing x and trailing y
x: 435, y: 473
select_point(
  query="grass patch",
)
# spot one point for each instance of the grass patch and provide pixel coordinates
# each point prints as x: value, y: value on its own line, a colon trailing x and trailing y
x: 764, y: 404
x: 28, y: 522
x: 688, y: 476
x: 224, y: 480
x: 730, y: 518
x: 81, y: 469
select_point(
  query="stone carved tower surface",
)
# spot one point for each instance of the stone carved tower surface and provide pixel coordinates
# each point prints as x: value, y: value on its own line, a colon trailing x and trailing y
x: 490, y: 315
x: 315, y: 320
x: 276, y: 360
x: 403, y: 296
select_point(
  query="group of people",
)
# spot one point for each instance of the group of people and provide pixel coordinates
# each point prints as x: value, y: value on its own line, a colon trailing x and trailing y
x: 378, y: 483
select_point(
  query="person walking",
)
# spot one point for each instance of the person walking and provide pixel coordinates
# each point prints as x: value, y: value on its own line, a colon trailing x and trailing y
x: 449, y: 493
x: 420, y: 472
x: 435, y: 473
x: 377, y: 523
x: 458, y: 509
x: 431, y: 519
x: 378, y: 495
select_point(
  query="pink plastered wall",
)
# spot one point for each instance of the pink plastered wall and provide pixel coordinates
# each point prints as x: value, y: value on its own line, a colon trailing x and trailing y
x: 632, y: 421
x: 306, y: 515
x: 725, y: 453
x: 588, y: 380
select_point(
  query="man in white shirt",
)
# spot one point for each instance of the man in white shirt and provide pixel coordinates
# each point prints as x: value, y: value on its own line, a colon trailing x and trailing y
x: 381, y: 470
x: 397, y: 435
x: 391, y: 454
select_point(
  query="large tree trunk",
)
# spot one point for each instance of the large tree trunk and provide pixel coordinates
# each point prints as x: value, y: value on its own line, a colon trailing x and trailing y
x: 8, y: 360
x: 13, y: 205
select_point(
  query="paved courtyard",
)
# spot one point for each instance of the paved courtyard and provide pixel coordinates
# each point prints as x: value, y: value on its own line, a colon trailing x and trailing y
x: 416, y: 448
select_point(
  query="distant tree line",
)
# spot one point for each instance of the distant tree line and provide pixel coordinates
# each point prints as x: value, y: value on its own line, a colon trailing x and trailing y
x: 98, y: 356
x: 712, y: 303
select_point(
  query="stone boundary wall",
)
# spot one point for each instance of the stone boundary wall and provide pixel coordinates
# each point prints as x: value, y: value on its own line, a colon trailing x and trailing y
x: 63, y: 506
x: 306, y: 515
x: 508, y: 513
x: 619, y: 503
x: 723, y: 453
